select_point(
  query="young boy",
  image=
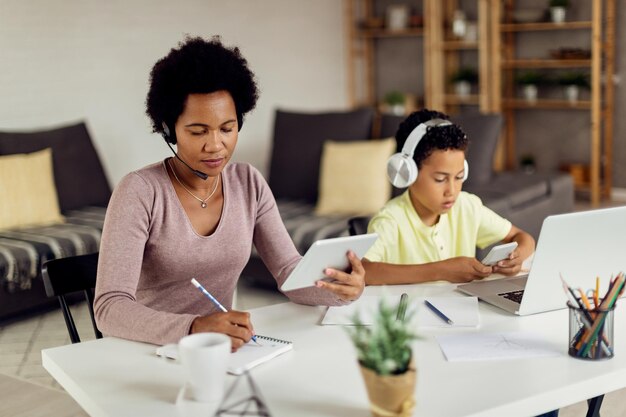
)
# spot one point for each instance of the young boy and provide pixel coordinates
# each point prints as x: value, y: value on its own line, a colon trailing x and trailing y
x: 430, y: 232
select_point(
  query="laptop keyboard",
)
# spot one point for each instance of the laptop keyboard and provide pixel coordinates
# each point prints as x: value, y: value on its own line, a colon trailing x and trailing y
x: 515, y: 296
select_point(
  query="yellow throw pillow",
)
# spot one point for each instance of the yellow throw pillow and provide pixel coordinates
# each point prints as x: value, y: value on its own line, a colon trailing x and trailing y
x: 28, y: 195
x: 353, y: 176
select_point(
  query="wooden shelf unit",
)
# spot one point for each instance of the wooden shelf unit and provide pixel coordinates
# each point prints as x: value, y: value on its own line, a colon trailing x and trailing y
x: 518, y: 103
x: 362, y: 45
x: 384, y: 33
x: 601, y: 64
x: 521, y: 27
x: 442, y: 57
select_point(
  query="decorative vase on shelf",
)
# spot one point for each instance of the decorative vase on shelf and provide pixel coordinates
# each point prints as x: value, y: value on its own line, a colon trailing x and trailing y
x: 459, y: 24
x: 557, y: 10
x: 530, y: 92
x: 557, y: 14
x: 462, y: 88
x: 571, y: 93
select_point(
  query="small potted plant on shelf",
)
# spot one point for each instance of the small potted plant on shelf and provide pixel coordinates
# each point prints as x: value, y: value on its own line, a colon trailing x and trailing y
x: 557, y: 10
x: 463, y: 80
x: 386, y: 360
x: 394, y: 101
x: 529, y: 81
x: 572, y: 83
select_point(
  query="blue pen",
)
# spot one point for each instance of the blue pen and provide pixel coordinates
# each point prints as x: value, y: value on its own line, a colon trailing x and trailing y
x: 210, y: 296
x: 437, y: 312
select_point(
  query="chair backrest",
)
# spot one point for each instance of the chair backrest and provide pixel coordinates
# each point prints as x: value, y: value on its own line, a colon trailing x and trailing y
x: 68, y: 275
x: 358, y: 225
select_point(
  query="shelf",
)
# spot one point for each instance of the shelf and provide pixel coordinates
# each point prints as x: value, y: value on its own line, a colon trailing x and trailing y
x: 546, y: 63
x: 458, y: 100
x: 524, y: 27
x: 547, y: 104
x: 384, y: 33
x: 458, y: 45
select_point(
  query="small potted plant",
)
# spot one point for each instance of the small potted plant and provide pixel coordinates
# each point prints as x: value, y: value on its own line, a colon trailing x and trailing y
x: 386, y: 360
x: 394, y: 100
x: 529, y: 81
x: 572, y: 83
x: 463, y: 80
x: 557, y: 10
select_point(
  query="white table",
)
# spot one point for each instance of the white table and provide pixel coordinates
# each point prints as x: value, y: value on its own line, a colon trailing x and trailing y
x: 320, y: 377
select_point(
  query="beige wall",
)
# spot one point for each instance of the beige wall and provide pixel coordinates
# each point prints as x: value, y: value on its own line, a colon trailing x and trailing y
x: 65, y: 60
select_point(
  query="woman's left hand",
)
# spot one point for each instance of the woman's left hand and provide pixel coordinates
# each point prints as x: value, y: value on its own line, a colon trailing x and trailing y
x: 346, y: 286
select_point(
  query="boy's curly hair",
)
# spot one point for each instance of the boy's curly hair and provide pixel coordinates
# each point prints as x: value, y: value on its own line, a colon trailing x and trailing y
x: 198, y: 66
x: 437, y: 138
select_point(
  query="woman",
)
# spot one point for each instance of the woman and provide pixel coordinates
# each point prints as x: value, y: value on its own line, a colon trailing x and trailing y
x: 196, y: 215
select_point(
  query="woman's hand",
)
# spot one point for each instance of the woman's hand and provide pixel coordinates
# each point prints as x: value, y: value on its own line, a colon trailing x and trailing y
x: 235, y: 324
x: 346, y: 286
x: 510, y: 266
x: 465, y: 269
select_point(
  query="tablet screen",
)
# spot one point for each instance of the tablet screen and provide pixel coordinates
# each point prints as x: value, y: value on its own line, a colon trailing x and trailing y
x: 326, y: 253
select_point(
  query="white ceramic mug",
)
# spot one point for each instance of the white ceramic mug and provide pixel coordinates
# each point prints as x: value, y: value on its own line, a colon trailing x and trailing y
x: 204, y: 356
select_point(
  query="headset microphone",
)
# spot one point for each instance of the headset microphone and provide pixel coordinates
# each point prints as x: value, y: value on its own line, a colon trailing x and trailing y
x: 166, y: 137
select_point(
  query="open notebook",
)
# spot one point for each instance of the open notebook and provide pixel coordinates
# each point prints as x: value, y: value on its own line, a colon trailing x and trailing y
x: 246, y: 357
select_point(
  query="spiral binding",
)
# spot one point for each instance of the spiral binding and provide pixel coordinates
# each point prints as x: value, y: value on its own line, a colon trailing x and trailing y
x: 273, y: 339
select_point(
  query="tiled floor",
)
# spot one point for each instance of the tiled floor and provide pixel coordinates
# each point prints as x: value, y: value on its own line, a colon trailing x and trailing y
x: 21, y: 343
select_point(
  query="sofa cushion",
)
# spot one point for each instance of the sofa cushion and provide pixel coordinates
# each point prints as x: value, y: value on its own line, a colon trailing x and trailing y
x: 78, y: 174
x: 297, y: 148
x: 357, y: 187
x: 28, y: 193
x: 24, y: 250
x: 483, y: 131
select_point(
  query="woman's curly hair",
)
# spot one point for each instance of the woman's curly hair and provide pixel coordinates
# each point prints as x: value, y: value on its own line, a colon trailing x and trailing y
x: 198, y: 66
x: 437, y: 138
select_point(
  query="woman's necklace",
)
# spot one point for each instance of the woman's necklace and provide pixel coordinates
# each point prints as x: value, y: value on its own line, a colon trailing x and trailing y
x: 202, y: 202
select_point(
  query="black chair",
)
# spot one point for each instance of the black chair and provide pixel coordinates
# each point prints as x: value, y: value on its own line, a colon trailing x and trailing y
x: 68, y: 275
x: 358, y: 225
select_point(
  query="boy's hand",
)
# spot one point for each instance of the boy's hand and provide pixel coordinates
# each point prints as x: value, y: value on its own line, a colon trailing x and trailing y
x: 466, y: 269
x: 346, y: 286
x: 510, y: 266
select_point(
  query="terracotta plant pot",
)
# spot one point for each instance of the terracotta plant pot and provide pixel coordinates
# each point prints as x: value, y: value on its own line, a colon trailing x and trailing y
x: 391, y: 395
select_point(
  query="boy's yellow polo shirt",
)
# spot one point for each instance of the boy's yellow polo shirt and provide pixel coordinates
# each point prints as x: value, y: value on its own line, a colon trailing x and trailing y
x: 404, y: 239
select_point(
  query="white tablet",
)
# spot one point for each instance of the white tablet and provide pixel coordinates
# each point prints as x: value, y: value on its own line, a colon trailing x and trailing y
x: 326, y: 253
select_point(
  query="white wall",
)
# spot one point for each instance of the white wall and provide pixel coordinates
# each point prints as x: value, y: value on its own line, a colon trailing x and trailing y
x: 66, y: 60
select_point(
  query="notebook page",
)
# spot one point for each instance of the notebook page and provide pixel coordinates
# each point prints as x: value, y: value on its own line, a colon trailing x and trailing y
x: 246, y: 357
x: 251, y: 354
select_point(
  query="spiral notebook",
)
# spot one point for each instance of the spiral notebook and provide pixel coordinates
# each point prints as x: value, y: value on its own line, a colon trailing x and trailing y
x: 246, y: 357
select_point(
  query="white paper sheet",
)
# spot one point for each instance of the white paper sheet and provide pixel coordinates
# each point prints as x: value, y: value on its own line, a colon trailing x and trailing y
x: 366, y: 306
x: 463, y: 311
x: 495, y: 346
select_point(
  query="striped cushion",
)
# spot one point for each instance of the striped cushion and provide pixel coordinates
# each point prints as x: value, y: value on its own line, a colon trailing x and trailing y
x: 24, y: 250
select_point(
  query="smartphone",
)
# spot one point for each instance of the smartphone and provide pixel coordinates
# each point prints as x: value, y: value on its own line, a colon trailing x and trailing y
x: 498, y: 253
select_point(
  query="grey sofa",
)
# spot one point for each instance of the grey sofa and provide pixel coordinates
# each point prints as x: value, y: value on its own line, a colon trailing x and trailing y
x: 524, y: 199
x: 83, y: 192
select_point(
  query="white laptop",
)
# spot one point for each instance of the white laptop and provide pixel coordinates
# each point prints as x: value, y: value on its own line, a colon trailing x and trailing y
x: 579, y: 246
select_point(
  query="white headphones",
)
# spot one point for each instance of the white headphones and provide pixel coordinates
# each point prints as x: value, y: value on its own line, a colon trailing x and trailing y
x: 401, y: 168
